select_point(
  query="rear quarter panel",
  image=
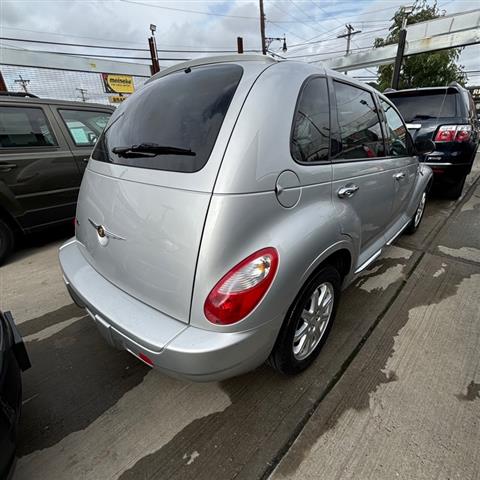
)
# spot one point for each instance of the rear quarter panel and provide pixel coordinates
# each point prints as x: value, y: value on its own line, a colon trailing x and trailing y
x: 245, y: 215
x: 238, y: 225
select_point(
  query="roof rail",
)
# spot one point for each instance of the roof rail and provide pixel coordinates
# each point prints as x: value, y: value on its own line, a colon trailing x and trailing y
x: 209, y: 60
x: 456, y: 85
x: 17, y: 94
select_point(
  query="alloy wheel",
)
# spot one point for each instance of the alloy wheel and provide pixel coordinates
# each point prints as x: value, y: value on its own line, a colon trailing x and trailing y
x: 420, y: 209
x: 313, y: 321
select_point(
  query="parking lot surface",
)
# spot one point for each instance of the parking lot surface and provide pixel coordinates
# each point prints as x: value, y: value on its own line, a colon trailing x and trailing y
x: 393, y: 393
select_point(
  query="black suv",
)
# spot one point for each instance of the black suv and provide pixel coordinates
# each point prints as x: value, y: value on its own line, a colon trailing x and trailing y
x: 447, y: 116
x: 44, y: 148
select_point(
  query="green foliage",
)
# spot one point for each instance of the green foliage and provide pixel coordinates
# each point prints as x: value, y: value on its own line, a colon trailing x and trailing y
x: 426, y: 69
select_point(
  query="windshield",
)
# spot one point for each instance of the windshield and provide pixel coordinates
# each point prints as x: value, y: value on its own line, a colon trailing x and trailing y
x: 183, y: 110
x: 421, y: 105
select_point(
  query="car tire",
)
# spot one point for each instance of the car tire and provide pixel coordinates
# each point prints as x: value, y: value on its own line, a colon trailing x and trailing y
x: 307, y: 322
x: 453, y: 191
x: 417, y: 216
x: 7, y: 240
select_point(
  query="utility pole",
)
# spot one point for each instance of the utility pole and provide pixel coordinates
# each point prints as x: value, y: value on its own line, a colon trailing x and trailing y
x: 262, y: 28
x: 83, y: 93
x: 152, y: 43
x: 402, y: 37
x: 23, y: 82
x: 350, y: 32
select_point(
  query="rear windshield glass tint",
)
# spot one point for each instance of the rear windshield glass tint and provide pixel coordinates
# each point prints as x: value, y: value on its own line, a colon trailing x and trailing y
x: 425, y: 106
x: 184, y: 110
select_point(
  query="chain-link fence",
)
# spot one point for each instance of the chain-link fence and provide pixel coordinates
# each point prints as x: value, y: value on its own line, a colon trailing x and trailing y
x: 59, y: 84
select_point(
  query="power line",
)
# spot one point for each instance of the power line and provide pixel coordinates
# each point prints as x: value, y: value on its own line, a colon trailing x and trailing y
x: 324, y: 40
x: 296, y: 20
x: 326, y: 13
x: 350, y: 16
x: 94, y: 55
x: 47, y: 42
x: 283, y: 29
x: 65, y: 35
x: 184, y: 10
x: 108, y: 47
x: 93, y: 38
x: 307, y: 15
x: 323, y: 59
x: 328, y: 53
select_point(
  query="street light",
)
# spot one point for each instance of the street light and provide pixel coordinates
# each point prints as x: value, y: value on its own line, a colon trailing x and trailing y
x: 402, y: 38
x: 406, y: 10
x: 152, y: 43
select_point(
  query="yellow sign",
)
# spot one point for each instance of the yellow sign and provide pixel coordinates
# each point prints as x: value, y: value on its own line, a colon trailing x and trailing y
x: 118, y: 83
x: 117, y: 99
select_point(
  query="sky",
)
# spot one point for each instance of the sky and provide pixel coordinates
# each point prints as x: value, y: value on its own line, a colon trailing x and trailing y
x: 208, y: 25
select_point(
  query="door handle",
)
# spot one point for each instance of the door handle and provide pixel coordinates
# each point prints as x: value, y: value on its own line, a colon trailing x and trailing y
x: 85, y: 160
x: 348, y: 191
x: 399, y: 176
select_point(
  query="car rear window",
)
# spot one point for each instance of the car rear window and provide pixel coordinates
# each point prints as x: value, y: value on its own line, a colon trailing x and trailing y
x: 426, y: 105
x: 184, y: 110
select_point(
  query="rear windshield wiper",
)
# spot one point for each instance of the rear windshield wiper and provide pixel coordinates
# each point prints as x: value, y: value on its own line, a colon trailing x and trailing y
x: 150, y: 150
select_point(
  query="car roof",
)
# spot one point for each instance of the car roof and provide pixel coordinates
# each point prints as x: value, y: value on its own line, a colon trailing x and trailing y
x: 236, y: 58
x: 50, y: 101
x: 310, y: 68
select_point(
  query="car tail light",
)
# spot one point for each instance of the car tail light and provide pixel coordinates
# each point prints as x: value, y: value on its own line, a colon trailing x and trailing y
x: 463, y: 133
x: 242, y: 288
x: 453, y: 133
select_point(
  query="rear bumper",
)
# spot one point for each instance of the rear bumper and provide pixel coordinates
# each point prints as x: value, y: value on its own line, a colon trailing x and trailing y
x: 174, y: 347
x: 456, y: 163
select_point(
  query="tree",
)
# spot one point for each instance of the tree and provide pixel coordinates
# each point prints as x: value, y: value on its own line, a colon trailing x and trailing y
x: 426, y: 69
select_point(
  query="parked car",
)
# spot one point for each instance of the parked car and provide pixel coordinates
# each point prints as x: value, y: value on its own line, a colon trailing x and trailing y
x: 475, y: 92
x: 44, y: 147
x: 13, y: 360
x: 226, y: 205
x: 447, y: 116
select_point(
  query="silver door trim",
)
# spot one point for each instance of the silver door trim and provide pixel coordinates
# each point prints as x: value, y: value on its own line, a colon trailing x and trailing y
x: 364, y: 265
x: 433, y: 164
x: 398, y: 233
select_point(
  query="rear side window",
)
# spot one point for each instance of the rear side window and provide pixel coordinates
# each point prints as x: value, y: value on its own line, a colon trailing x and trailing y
x: 397, y: 139
x: 22, y: 127
x: 184, y: 110
x: 426, y: 105
x: 84, y: 126
x: 360, y: 130
x: 311, y: 127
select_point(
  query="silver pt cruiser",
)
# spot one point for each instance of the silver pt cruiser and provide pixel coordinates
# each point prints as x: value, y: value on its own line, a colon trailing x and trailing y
x: 226, y: 205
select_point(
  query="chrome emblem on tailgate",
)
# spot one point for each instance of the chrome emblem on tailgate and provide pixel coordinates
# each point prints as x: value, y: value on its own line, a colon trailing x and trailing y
x: 103, y: 233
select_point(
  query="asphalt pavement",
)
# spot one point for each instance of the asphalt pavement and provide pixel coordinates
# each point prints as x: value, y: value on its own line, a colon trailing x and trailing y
x: 394, y: 393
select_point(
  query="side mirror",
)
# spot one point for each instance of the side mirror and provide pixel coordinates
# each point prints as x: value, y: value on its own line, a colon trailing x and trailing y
x: 424, y: 146
x: 92, y: 138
